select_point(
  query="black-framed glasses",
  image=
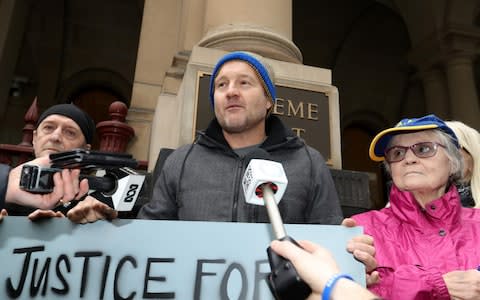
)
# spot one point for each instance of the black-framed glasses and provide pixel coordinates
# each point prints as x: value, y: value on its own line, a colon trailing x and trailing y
x: 421, y: 150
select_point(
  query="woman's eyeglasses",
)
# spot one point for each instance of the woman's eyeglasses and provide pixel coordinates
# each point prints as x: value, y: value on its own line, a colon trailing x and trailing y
x: 421, y: 150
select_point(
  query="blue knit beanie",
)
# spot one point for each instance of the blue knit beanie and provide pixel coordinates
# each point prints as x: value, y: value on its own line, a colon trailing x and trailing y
x: 259, y: 68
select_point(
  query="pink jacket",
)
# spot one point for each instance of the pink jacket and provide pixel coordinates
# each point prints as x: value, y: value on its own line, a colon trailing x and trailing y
x: 415, y: 246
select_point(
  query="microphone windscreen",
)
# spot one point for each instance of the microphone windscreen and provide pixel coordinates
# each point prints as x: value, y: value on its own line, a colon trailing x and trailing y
x: 128, y: 186
x: 259, y: 172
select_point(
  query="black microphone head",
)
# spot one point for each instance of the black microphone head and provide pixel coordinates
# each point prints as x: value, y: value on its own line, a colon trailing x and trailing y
x: 257, y: 153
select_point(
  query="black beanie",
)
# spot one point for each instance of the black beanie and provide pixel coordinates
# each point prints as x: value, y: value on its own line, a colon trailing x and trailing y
x: 83, y: 120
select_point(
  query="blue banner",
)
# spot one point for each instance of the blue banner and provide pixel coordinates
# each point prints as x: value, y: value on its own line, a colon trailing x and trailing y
x: 140, y: 259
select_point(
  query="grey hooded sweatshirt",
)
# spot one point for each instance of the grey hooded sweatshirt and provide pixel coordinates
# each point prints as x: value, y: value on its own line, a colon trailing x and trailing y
x: 202, y: 181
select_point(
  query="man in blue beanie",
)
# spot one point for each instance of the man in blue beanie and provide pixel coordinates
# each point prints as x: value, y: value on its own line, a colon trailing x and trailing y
x: 202, y: 181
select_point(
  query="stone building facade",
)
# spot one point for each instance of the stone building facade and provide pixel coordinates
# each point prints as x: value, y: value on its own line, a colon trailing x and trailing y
x: 380, y: 59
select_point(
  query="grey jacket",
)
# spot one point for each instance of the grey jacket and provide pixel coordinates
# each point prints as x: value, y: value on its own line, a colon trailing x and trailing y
x: 202, y: 181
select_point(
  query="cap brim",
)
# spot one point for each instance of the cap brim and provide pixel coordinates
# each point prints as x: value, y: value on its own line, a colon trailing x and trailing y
x: 381, y: 140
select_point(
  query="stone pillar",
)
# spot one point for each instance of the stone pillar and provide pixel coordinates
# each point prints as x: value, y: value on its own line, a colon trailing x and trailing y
x: 464, y: 104
x: 264, y: 27
x: 13, y: 18
x: 192, y: 23
x: 157, y: 46
x: 436, y: 92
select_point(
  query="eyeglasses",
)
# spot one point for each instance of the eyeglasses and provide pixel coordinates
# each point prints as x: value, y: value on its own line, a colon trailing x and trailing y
x: 421, y: 150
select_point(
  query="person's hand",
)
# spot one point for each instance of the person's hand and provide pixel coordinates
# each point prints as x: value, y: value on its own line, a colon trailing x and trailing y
x: 463, y: 285
x: 91, y: 210
x: 363, y: 249
x: 44, y: 214
x: 313, y: 263
x: 67, y: 187
x: 3, y: 213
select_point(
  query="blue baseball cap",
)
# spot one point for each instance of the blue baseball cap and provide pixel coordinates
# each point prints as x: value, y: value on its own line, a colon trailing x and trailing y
x: 381, y: 140
x: 259, y: 68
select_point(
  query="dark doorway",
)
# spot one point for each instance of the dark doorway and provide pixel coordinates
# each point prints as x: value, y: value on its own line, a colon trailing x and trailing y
x: 95, y: 102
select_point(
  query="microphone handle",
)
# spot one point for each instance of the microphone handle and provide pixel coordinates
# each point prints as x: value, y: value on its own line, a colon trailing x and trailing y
x: 100, y: 184
x: 273, y: 212
x: 283, y: 280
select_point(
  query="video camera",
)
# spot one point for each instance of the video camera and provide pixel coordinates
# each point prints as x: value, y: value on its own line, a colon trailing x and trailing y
x: 115, y: 182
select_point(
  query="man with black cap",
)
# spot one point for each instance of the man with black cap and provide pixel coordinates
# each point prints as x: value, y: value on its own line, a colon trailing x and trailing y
x: 202, y: 181
x: 60, y: 128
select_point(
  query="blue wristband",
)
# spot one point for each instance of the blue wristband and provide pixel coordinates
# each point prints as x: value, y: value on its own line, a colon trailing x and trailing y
x: 331, y: 283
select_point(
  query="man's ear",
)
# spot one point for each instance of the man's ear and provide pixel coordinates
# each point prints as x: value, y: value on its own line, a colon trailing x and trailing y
x: 269, y: 104
x: 34, y: 137
x: 269, y: 107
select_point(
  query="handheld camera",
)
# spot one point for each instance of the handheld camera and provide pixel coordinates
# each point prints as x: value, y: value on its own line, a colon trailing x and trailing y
x: 119, y: 187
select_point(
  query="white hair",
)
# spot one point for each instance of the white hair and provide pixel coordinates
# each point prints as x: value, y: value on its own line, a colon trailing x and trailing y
x: 469, y: 139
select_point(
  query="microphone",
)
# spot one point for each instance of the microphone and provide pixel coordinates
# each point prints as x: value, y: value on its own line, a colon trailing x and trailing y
x: 264, y: 183
x: 119, y: 188
x: 123, y: 196
x: 117, y: 184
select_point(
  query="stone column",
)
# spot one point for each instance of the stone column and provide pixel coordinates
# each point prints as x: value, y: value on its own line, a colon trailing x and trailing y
x: 464, y: 104
x: 157, y: 46
x: 264, y: 27
x: 191, y: 23
x: 13, y: 18
x: 436, y: 92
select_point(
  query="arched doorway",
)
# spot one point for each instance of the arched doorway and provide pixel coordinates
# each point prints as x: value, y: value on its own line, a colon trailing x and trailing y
x: 95, y: 101
x: 94, y: 90
x: 355, y: 144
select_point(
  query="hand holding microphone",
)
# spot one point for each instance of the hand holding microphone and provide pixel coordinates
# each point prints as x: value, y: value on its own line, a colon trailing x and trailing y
x: 116, y: 183
x: 264, y: 183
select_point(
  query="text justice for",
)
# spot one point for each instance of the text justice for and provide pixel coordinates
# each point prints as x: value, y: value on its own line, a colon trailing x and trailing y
x: 42, y: 267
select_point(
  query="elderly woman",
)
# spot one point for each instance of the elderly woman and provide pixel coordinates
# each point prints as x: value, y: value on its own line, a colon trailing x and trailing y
x: 427, y: 244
